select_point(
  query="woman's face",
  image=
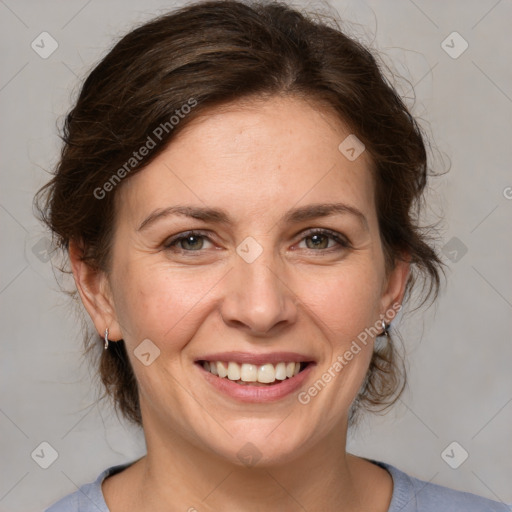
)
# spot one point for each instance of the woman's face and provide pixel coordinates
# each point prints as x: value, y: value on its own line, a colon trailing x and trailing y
x: 285, y: 266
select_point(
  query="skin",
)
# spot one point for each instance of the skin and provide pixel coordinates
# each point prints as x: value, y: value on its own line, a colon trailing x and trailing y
x: 257, y: 161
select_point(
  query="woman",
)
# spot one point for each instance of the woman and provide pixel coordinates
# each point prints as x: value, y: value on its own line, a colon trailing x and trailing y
x: 237, y: 195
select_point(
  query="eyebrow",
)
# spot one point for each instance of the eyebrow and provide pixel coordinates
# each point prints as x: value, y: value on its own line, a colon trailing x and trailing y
x: 219, y: 216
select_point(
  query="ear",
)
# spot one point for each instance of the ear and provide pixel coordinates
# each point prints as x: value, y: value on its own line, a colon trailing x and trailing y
x: 394, y: 285
x: 94, y: 289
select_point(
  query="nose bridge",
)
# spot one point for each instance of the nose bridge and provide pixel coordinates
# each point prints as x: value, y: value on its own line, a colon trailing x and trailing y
x: 260, y: 275
x: 257, y: 296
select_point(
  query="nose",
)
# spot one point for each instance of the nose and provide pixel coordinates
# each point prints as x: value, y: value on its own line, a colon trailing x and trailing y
x: 258, y: 297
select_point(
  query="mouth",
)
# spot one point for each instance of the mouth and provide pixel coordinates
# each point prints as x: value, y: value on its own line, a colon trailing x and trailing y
x: 255, y: 378
x: 247, y: 374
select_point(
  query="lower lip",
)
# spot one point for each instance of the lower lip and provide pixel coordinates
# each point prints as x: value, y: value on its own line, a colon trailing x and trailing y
x: 257, y: 394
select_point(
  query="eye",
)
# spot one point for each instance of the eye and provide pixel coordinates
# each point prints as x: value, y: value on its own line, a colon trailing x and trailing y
x: 319, y: 239
x: 190, y: 241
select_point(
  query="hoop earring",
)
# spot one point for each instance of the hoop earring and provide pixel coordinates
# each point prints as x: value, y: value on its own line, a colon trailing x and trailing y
x: 106, y: 339
x: 385, y: 329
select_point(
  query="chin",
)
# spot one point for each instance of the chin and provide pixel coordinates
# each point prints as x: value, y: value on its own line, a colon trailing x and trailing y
x: 262, y: 443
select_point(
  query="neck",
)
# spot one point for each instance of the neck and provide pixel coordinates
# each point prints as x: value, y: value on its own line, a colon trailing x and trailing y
x: 179, y: 475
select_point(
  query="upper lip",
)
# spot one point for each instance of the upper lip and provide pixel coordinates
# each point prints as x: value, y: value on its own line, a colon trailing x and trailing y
x: 257, y: 359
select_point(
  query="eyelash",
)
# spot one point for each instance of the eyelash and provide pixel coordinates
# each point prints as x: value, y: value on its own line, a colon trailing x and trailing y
x: 341, y: 241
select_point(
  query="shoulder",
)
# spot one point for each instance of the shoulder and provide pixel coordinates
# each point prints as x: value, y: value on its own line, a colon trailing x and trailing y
x: 89, y: 497
x: 414, y: 495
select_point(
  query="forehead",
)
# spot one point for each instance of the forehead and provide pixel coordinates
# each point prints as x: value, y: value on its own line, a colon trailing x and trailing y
x: 276, y: 153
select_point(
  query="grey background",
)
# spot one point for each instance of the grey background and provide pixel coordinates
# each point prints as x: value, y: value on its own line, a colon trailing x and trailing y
x: 459, y: 352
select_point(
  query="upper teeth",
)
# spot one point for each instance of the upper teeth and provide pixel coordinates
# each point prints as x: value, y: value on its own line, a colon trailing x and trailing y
x: 265, y: 373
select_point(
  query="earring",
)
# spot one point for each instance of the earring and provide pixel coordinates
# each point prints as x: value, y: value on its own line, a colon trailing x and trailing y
x: 385, y: 329
x: 106, y: 339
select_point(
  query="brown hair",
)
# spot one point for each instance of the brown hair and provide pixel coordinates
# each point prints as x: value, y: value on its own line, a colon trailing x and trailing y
x: 213, y: 53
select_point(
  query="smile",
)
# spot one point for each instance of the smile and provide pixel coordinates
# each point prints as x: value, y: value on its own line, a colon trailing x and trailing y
x: 255, y: 378
x: 244, y: 374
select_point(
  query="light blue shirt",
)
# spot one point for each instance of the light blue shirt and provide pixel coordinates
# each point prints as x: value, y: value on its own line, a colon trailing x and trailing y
x: 409, y: 495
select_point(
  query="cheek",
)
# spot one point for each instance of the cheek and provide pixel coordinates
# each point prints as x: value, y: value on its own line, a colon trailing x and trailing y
x: 344, y: 303
x: 166, y: 306
x: 160, y: 303
x: 346, y: 300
